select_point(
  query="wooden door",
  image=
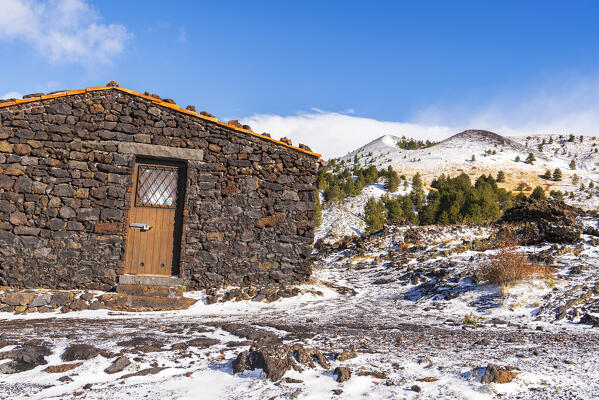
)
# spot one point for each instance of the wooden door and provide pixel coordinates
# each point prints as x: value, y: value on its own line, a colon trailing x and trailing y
x: 152, y: 219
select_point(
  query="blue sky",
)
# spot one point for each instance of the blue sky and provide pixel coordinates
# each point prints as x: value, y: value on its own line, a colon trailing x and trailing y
x: 323, y: 71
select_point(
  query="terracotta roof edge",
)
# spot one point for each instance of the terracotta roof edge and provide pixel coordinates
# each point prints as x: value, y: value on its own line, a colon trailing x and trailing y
x: 160, y: 103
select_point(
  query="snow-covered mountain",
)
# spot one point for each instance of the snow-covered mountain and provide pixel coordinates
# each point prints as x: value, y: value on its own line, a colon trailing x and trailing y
x: 475, y: 152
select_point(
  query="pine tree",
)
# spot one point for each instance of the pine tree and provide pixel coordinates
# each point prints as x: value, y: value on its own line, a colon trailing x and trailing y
x: 531, y: 159
x: 538, y: 193
x: 473, y: 157
x: 392, y: 180
x: 417, y: 194
x: 375, y: 214
x: 517, y: 159
x: 547, y: 174
x: 557, y: 194
x: 571, y: 138
x: 394, y: 210
x: 572, y: 164
x: 557, y: 174
x: 500, y: 176
x: 317, y: 210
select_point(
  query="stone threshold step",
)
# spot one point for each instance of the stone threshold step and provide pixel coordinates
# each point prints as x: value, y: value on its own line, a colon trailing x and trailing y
x: 150, y: 290
x: 168, y: 281
x: 119, y: 302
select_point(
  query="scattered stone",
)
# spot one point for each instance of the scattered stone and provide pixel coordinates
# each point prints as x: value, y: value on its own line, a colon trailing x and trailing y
x: 24, y: 358
x: 343, y: 374
x: 374, y: 374
x: 496, y: 374
x: 118, y: 365
x: 276, y: 359
x: 292, y: 380
x: 416, y: 388
x: 54, y: 369
x: 83, y: 352
x: 202, y: 342
x: 346, y: 355
x: 144, y: 372
x: 428, y: 379
x: 589, y: 319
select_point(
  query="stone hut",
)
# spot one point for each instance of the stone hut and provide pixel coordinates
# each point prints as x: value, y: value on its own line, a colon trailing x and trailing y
x: 105, y: 183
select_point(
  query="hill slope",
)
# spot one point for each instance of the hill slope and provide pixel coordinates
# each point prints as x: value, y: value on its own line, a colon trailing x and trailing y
x: 453, y: 156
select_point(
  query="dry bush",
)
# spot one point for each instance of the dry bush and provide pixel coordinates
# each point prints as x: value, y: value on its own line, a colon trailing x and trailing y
x: 509, y: 265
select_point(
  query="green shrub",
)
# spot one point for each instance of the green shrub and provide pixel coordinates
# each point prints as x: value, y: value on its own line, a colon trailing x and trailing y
x: 538, y: 193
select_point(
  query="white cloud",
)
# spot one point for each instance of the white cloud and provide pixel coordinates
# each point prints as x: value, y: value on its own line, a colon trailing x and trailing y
x: 63, y: 31
x: 11, y: 95
x: 334, y: 134
x: 560, y: 106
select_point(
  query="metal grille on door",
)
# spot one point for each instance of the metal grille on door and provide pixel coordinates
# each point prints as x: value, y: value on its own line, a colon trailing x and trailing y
x: 156, y: 186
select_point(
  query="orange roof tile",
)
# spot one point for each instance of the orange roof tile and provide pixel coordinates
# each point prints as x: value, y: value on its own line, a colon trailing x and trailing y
x: 160, y: 103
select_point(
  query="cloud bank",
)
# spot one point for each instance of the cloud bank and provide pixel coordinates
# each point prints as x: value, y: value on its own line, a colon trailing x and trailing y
x: 62, y: 31
x: 568, y: 106
x: 334, y: 134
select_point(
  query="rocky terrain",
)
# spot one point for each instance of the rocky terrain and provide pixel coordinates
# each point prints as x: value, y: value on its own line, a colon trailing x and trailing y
x: 399, y: 315
x: 404, y: 313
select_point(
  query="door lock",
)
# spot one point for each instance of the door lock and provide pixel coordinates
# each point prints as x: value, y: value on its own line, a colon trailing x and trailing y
x: 140, y: 226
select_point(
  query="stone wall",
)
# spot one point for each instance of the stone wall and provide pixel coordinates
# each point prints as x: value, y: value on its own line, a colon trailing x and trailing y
x: 64, y: 195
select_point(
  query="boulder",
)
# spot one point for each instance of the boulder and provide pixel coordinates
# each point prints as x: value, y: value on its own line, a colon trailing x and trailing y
x: 496, y: 374
x: 118, y: 365
x: 343, y: 374
x: 275, y: 360
x: 17, y: 298
x: 54, y: 369
x: 24, y: 358
x: 82, y: 352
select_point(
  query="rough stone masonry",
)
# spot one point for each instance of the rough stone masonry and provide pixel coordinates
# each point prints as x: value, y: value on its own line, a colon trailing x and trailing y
x: 64, y: 194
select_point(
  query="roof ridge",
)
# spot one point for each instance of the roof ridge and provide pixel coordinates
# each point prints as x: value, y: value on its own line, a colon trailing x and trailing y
x: 159, y: 102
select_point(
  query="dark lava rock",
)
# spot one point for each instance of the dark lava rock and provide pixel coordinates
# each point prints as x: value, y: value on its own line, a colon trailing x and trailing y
x: 383, y: 281
x: 143, y: 372
x: 343, y: 374
x: 589, y: 319
x: 118, y: 365
x: 275, y: 360
x: 260, y: 336
x: 24, y: 359
x: 346, y: 355
x: 83, y: 352
x: 136, y: 341
x: 202, y: 342
x: 545, y: 220
x: 495, y: 374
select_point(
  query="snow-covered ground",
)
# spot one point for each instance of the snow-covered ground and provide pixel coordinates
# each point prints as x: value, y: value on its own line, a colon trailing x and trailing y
x: 405, y: 303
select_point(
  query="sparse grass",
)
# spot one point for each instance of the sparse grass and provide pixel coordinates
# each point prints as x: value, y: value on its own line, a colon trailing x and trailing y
x: 509, y: 266
x: 473, y: 319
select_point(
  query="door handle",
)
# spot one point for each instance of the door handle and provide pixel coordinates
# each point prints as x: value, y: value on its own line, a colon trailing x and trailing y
x: 140, y: 226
